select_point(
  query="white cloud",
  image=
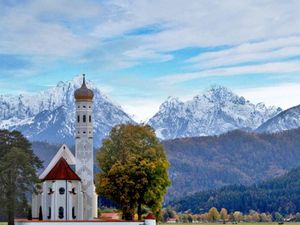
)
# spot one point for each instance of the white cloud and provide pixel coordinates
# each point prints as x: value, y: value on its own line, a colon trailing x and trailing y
x: 268, y: 50
x: 62, y: 29
x: 285, y: 95
x: 141, y: 109
x: 267, y: 68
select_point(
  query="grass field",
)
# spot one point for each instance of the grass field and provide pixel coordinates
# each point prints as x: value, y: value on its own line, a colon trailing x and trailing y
x: 3, y: 223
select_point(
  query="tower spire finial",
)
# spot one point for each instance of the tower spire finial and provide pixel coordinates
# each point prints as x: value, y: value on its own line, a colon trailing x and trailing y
x: 83, y: 78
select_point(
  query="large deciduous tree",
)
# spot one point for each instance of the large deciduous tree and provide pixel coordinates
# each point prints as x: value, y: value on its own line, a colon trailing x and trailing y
x: 213, y: 214
x: 134, y: 169
x: 18, y: 167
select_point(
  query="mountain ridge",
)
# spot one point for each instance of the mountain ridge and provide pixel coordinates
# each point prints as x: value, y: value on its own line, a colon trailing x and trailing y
x: 50, y: 115
x: 285, y: 120
x: 216, y: 111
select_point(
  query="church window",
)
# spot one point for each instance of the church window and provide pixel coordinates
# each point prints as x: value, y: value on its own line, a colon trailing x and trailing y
x: 90, y: 118
x: 84, y: 132
x: 50, y: 191
x: 84, y: 106
x: 73, y: 191
x: 49, y: 215
x: 61, y: 213
x: 73, y: 213
x: 61, y: 191
x: 84, y: 119
x: 78, y: 119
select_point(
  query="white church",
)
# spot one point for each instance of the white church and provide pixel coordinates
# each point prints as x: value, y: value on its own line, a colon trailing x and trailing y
x: 68, y: 190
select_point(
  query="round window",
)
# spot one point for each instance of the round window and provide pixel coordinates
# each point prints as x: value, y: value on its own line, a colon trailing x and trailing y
x: 61, y: 191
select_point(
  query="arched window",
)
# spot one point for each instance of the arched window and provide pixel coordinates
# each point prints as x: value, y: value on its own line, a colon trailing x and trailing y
x: 61, y: 191
x: 90, y: 118
x: 78, y: 119
x: 61, y: 213
x: 49, y: 213
x: 84, y: 118
x: 73, y: 213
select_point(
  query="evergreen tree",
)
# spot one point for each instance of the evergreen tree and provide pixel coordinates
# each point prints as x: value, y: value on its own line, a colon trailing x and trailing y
x: 134, y: 169
x: 17, y: 173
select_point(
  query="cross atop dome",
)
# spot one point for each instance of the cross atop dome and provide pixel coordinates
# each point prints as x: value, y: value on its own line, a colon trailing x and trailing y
x: 83, y: 93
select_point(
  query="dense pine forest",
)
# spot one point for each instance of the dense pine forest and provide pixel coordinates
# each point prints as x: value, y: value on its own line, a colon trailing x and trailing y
x: 281, y: 194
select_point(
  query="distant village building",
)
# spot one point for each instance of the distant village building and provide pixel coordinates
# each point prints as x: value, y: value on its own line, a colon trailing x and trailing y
x: 66, y: 194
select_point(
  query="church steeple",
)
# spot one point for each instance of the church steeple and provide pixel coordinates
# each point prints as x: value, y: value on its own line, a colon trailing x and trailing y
x: 84, y: 146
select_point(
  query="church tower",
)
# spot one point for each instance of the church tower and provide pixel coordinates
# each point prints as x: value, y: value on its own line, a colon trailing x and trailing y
x: 84, y: 147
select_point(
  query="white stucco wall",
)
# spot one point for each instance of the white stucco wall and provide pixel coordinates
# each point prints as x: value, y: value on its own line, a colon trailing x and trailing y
x: 51, y: 202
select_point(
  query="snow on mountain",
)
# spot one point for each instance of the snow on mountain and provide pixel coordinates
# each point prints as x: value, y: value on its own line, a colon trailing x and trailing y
x: 215, y: 112
x: 286, y: 120
x: 50, y: 115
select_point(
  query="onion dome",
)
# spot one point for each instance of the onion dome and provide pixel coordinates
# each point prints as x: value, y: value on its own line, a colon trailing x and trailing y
x: 83, y: 93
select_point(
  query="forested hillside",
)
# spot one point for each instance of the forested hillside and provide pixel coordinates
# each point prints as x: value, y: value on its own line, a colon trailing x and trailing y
x: 238, y: 157
x: 280, y: 194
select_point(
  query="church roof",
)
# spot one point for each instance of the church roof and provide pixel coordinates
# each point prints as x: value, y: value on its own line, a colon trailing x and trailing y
x: 150, y: 216
x: 64, y: 152
x: 83, y: 93
x: 62, y: 171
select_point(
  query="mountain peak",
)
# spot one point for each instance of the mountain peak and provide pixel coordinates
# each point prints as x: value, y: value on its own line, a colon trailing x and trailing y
x: 49, y: 115
x: 216, y: 111
x: 220, y: 93
x: 60, y: 84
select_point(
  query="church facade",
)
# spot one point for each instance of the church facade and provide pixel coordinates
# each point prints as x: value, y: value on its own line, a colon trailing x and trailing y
x: 67, y: 184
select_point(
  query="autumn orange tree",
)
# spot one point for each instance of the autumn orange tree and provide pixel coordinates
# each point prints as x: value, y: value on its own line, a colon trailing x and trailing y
x: 134, y: 169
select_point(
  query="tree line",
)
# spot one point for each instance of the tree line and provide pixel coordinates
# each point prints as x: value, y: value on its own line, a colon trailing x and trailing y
x: 276, y: 195
x: 214, y: 215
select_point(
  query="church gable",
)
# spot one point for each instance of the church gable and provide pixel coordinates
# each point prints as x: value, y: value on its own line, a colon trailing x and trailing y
x: 61, y: 171
x: 63, y: 152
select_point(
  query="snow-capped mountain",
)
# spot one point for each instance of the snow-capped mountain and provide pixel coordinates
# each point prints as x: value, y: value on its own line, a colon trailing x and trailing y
x: 286, y: 120
x: 215, y: 112
x: 50, y: 115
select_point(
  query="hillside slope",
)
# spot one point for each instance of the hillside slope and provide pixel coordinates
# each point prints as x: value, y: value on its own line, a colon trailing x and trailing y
x: 277, y: 195
x: 237, y: 157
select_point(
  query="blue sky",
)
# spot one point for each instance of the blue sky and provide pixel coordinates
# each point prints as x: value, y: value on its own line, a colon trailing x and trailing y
x: 140, y: 52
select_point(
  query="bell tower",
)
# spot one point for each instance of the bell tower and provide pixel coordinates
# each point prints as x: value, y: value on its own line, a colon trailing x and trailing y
x: 84, y: 147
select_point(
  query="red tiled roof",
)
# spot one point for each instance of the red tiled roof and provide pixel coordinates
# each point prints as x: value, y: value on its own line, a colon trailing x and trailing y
x: 62, y: 171
x: 150, y: 216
